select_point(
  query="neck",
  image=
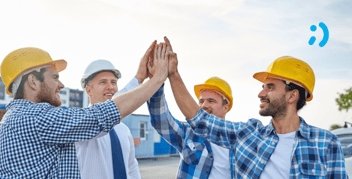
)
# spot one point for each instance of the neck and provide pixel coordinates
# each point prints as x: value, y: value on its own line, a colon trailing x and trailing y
x: 287, y: 123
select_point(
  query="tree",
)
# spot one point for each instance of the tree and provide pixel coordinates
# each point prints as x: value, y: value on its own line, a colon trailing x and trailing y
x: 345, y: 100
x: 335, y: 126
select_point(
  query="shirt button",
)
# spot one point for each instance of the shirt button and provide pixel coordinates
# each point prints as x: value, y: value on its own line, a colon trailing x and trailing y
x: 313, y: 170
x: 262, y: 162
x: 273, y: 143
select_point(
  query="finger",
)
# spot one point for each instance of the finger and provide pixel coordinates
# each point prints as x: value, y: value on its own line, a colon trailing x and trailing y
x: 155, y: 51
x: 163, y: 52
x: 167, y: 41
x: 149, y: 50
x: 160, y: 47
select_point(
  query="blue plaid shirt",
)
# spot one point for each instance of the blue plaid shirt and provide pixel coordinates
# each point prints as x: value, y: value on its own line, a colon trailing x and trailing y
x: 316, y: 152
x: 196, y: 153
x: 37, y: 139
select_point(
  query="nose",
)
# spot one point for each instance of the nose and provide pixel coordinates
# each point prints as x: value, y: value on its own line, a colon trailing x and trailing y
x: 262, y: 93
x: 61, y: 85
x: 204, y: 104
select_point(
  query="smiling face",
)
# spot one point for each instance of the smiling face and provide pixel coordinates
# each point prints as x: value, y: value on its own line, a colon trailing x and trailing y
x: 212, y: 102
x: 102, y: 87
x: 273, y: 98
x: 50, y: 88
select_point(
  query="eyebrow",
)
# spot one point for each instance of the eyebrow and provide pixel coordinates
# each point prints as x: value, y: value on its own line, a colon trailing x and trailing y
x: 269, y: 84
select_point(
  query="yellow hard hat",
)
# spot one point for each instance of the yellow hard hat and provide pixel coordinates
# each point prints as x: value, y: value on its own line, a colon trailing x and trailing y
x: 292, y: 70
x: 23, y: 59
x: 217, y: 84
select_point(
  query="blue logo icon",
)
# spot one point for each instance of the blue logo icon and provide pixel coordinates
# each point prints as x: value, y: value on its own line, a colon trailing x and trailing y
x: 313, y: 28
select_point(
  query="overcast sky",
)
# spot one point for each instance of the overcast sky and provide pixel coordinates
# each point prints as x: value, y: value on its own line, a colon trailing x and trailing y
x: 225, y: 38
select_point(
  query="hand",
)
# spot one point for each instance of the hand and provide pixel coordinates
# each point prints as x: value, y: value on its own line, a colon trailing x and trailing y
x: 158, y: 67
x: 142, y: 72
x: 173, y: 62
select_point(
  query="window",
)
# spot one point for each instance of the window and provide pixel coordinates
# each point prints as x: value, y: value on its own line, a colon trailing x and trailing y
x: 143, y: 130
x: 63, y: 101
x: 63, y: 92
x: 72, y: 104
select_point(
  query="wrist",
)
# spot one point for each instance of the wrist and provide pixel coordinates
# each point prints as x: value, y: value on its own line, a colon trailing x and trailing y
x: 139, y: 78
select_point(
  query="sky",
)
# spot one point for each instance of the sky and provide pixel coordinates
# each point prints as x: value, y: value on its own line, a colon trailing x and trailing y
x: 230, y: 39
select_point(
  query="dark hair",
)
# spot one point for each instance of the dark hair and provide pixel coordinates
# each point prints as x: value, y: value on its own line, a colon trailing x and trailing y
x: 39, y: 75
x: 224, y: 101
x: 302, y: 94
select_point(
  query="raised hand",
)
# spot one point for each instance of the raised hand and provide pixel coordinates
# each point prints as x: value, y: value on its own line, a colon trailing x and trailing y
x: 158, y: 67
x: 173, y: 62
x: 142, y: 72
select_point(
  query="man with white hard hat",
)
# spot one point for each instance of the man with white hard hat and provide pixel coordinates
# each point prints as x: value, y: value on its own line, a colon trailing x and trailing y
x: 96, y: 158
x: 37, y: 139
x: 286, y: 148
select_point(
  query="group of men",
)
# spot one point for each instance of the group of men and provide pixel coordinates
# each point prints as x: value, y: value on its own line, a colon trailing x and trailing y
x: 40, y: 140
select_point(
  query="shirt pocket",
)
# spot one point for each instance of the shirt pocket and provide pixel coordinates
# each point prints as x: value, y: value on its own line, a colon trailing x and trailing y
x: 192, y: 152
x: 312, y: 169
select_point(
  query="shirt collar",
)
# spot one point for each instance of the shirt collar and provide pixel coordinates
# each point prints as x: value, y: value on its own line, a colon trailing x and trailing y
x: 20, y: 102
x: 303, y: 129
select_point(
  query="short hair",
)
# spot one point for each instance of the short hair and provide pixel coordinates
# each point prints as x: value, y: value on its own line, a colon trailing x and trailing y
x: 38, y: 75
x: 302, y: 94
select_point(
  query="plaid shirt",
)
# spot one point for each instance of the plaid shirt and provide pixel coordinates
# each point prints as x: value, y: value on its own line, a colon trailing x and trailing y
x: 316, y: 152
x: 37, y: 139
x: 196, y: 153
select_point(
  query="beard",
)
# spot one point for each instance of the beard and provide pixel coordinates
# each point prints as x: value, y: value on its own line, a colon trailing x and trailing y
x: 277, y: 107
x: 45, y: 96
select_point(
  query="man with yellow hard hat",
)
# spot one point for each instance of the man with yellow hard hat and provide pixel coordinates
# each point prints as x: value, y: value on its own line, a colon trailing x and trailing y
x: 286, y: 148
x: 199, y: 158
x: 37, y: 138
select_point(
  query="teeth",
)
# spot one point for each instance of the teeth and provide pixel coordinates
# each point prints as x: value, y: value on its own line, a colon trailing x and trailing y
x: 108, y: 94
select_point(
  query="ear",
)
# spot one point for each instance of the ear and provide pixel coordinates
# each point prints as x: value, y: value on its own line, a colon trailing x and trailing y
x: 89, y: 90
x: 293, y: 96
x: 226, y: 107
x: 33, y: 82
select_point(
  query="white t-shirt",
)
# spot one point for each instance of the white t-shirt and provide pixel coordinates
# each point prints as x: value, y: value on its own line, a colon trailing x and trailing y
x: 221, y: 166
x: 279, y: 164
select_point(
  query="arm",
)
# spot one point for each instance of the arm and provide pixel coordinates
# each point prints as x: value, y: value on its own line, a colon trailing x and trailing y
x: 130, y: 101
x: 335, y: 162
x: 183, y: 99
x: 132, y: 162
x: 130, y: 86
x: 164, y: 123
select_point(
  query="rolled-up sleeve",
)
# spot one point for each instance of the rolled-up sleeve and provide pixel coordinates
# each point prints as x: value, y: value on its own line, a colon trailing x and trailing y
x: 58, y: 125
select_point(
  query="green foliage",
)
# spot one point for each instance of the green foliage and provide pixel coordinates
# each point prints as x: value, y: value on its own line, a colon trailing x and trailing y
x: 335, y: 126
x: 345, y: 100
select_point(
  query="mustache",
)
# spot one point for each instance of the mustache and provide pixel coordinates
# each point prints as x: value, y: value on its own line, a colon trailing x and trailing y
x: 264, y: 99
x: 207, y: 110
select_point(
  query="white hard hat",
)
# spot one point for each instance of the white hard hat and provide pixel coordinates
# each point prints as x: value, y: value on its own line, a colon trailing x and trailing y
x: 96, y: 67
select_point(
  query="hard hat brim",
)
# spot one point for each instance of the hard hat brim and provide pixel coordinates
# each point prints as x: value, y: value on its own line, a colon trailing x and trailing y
x: 199, y: 88
x: 262, y: 76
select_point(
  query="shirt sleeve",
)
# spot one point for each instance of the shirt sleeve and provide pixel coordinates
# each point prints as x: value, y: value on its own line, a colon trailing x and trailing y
x: 164, y: 123
x: 335, y: 160
x: 215, y: 129
x: 130, y: 86
x: 132, y: 162
x: 58, y: 126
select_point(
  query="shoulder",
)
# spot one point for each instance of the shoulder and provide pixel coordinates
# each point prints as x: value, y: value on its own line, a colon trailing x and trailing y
x: 122, y: 128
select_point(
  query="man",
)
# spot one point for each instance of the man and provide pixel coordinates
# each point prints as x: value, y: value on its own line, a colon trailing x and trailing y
x: 199, y: 157
x: 37, y: 138
x: 286, y: 148
x: 95, y: 155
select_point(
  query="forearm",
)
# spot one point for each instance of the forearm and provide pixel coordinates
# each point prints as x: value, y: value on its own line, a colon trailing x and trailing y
x: 163, y: 122
x: 184, y: 100
x: 130, y: 101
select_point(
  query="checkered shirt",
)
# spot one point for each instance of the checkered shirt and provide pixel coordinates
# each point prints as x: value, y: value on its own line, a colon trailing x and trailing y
x: 195, y: 151
x: 316, y: 152
x: 37, y: 139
